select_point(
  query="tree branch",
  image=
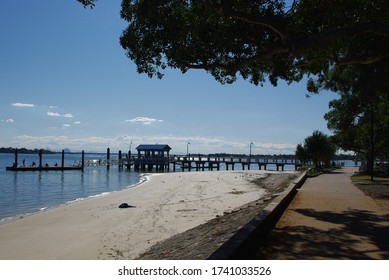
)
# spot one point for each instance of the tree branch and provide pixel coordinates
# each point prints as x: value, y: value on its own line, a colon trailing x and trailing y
x: 268, y: 22
x: 361, y: 60
x: 263, y: 21
x: 234, y: 65
x: 328, y: 36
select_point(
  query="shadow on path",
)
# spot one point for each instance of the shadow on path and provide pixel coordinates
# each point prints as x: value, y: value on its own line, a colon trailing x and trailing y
x: 342, y: 241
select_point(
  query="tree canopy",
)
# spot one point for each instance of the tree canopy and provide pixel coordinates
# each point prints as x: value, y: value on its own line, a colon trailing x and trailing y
x: 359, y: 119
x: 318, y: 148
x: 258, y: 40
x: 354, y: 123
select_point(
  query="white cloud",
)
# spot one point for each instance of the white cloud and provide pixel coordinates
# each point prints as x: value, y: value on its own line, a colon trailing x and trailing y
x: 22, y: 105
x: 66, y: 125
x: 77, y: 122
x: 55, y: 114
x: 273, y: 148
x: 94, y: 143
x: 143, y: 120
x: 9, y: 121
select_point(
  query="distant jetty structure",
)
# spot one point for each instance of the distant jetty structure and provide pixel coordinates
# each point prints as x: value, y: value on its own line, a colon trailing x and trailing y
x: 151, y: 157
x: 46, y: 167
x: 157, y: 158
x: 208, y: 162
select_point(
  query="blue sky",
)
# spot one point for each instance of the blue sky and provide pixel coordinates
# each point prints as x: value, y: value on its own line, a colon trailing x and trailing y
x: 65, y: 82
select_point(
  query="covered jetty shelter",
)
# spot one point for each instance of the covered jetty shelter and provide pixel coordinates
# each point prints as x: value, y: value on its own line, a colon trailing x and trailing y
x: 152, y: 156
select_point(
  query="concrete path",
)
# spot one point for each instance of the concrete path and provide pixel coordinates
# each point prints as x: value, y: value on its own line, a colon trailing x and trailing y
x: 330, y: 218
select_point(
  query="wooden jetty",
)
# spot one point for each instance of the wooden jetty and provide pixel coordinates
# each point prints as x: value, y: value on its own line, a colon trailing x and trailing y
x: 201, y: 162
x: 157, y: 158
x: 40, y: 167
x: 151, y: 157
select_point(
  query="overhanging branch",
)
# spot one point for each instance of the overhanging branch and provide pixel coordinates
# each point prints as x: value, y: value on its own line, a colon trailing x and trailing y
x: 235, y: 64
x: 268, y: 22
x: 361, y: 60
x: 329, y: 36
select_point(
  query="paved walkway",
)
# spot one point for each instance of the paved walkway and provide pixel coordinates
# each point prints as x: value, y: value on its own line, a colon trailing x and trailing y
x: 330, y: 218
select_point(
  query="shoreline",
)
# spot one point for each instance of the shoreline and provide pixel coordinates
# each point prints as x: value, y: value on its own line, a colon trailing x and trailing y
x: 143, y: 177
x: 165, y: 204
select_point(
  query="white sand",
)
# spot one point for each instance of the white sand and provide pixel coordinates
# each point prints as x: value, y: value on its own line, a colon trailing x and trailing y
x: 96, y: 228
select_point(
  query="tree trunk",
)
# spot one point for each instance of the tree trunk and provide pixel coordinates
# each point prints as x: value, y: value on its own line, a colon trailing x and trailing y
x: 369, y: 164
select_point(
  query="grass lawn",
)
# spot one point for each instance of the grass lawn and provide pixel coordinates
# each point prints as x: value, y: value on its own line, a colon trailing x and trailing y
x: 366, y: 178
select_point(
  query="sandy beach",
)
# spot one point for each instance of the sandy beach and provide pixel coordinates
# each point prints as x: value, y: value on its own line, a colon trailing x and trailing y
x: 96, y: 228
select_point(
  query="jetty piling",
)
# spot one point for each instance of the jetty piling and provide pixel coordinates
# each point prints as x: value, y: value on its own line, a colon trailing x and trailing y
x: 40, y: 158
x: 16, y: 157
x: 63, y: 159
x: 108, y: 158
x: 120, y: 162
x: 82, y: 159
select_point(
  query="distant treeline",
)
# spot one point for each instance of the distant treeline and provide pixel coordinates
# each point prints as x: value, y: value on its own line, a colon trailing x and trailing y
x: 25, y: 151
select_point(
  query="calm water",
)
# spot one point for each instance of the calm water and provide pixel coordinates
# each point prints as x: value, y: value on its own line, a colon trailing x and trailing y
x: 29, y: 192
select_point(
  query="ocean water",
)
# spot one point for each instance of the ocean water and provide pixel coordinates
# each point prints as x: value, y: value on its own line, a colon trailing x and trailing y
x: 23, y: 193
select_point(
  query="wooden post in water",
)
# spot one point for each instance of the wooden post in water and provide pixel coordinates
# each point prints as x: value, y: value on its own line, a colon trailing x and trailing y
x: 129, y: 160
x: 108, y: 158
x: 120, y: 163
x: 82, y: 159
x: 63, y: 159
x: 16, y: 157
x: 40, y: 158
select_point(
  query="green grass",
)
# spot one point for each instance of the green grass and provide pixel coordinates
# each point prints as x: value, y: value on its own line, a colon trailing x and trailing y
x: 367, y: 178
x: 314, y: 172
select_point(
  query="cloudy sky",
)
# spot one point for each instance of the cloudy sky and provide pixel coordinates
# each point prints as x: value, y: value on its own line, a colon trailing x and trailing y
x: 65, y: 82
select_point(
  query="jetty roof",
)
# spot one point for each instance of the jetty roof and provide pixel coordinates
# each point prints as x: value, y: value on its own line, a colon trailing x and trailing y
x: 156, y: 147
